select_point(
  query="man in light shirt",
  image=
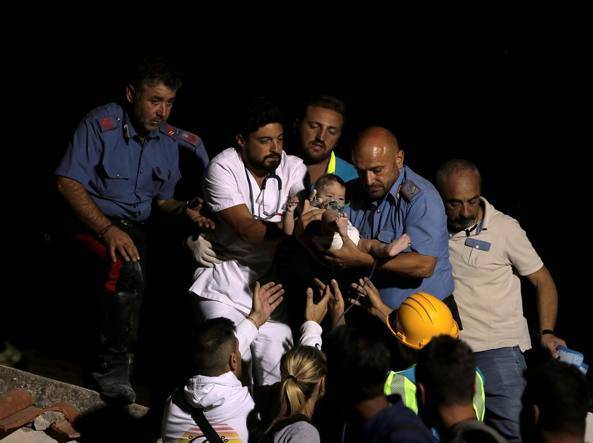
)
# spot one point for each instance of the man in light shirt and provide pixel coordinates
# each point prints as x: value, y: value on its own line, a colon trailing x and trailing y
x: 246, y: 187
x: 488, y: 251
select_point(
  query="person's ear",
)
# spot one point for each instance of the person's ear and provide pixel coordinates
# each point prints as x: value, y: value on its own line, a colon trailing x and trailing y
x: 130, y: 94
x: 420, y: 394
x: 535, y: 414
x: 399, y: 159
x: 322, y: 387
x: 234, y: 362
x: 240, y: 140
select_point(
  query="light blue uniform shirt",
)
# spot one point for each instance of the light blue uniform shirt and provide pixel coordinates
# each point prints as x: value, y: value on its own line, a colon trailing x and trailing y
x: 422, y: 217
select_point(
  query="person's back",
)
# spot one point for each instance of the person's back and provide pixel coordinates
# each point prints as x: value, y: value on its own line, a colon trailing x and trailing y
x: 474, y: 431
x: 444, y: 377
x: 294, y: 429
x: 215, y: 392
x: 357, y: 364
x: 303, y: 372
x: 555, y: 403
x: 224, y: 401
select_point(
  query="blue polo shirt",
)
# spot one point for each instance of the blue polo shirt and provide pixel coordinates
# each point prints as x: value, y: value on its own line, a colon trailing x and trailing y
x: 122, y: 172
x: 422, y: 217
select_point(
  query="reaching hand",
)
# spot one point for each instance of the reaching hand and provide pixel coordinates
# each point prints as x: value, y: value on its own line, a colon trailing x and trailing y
x: 370, y: 299
x: 316, y: 311
x: 335, y: 304
x: 266, y: 299
x: 292, y: 203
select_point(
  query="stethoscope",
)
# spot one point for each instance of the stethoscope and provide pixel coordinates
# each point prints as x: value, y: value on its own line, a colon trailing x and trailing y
x: 266, y: 215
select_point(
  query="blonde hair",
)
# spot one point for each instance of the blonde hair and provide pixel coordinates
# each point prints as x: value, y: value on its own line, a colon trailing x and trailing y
x: 302, y: 368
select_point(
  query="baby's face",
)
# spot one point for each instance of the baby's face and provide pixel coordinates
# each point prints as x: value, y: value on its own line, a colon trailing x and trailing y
x: 332, y: 191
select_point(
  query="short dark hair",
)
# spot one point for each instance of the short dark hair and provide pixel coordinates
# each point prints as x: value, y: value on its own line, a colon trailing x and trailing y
x: 454, y: 166
x: 327, y: 102
x: 214, y: 341
x: 150, y: 70
x: 560, y: 392
x: 258, y: 112
x: 358, y: 362
x: 447, y: 368
x: 326, y: 179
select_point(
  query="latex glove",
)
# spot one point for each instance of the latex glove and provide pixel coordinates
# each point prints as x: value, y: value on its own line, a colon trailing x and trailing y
x: 202, y: 250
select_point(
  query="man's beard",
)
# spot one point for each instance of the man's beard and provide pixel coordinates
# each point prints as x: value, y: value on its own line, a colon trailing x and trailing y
x: 270, y: 162
x: 460, y: 225
x: 313, y: 155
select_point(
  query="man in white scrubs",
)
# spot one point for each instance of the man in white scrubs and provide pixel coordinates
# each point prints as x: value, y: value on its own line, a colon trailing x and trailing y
x: 246, y: 188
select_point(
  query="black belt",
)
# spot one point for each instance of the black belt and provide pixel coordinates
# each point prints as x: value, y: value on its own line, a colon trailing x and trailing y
x: 127, y: 222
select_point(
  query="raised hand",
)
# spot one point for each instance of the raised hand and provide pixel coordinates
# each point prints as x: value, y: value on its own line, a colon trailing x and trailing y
x: 266, y: 299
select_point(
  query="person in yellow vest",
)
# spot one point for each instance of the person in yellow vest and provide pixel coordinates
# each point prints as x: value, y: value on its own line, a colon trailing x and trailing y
x: 444, y: 372
x: 318, y: 131
x: 419, y: 319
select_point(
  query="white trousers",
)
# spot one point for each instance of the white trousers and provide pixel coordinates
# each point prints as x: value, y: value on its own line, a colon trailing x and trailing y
x: 273, y: 340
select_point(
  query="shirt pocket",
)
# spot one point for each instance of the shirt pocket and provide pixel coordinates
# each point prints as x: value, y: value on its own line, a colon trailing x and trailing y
x: 115, y: 179
x: 476, y: 251
x: 159, y: 177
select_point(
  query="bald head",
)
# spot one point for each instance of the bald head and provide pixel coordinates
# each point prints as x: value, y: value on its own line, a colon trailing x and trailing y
x: 377, y: 139
x: 458, y: 169
x: 378, y: 159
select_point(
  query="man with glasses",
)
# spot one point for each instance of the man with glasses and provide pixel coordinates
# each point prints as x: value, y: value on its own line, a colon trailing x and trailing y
x: 246, y: 187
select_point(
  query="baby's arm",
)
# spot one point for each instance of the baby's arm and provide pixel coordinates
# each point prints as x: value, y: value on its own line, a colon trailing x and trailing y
x: 288, y: 216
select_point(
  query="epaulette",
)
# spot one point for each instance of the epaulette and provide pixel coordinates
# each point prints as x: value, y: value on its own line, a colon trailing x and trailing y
x: 108, y: 123
x: 182, y: 136
x: 409, y: 190
x: 189, y: 138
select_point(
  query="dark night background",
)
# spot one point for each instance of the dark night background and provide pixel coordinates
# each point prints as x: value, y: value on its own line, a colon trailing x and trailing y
x: 512, y: 95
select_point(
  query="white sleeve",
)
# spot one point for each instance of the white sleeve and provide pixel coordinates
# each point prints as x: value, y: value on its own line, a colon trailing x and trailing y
x: 221, y: 190
x: 246, y: 333
x: 297, y: 179
x: 311, y: 334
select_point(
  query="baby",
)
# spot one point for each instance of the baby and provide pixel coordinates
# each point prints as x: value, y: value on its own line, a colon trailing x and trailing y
x: 330, y: 194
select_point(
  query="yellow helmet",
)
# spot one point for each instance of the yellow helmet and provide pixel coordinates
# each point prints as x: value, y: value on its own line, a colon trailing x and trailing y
x: 420, y: 318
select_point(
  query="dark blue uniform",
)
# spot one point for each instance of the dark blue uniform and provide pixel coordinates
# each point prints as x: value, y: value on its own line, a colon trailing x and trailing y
x: 123, y: 173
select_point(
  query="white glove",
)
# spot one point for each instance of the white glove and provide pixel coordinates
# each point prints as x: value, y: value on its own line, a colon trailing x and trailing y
x: 202, y: 250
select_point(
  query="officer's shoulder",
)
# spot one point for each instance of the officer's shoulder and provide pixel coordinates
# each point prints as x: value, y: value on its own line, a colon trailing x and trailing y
x: 186, y: 138
x: 108, y: 117
x: 415, y: 186
x: 410, y: 190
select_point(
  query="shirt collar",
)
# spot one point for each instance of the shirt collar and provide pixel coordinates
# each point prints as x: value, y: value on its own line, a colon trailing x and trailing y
x: 331, y: 166
x: 130, y: 131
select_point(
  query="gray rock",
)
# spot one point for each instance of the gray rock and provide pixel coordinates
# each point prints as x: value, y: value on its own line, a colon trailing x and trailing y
x: 44, y: 421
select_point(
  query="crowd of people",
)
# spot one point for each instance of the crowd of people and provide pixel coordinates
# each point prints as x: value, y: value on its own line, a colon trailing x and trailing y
x: 420, y: 283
